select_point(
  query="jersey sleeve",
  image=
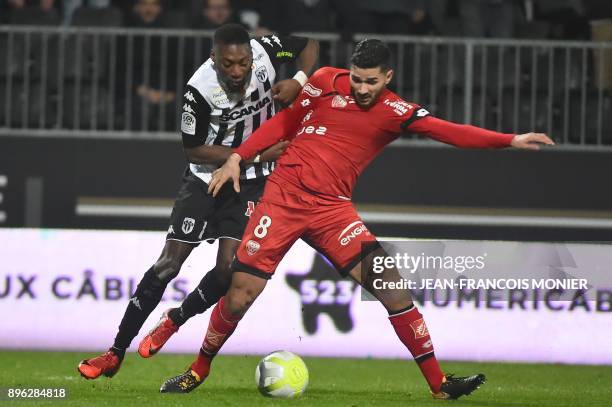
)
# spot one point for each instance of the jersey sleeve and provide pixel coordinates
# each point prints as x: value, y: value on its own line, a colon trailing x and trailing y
x: 284, y: 125
x: 460, y: 135
x: 282, y: 49
x: 195, y: 118
x: 410, y: 117
x: 400, y: 115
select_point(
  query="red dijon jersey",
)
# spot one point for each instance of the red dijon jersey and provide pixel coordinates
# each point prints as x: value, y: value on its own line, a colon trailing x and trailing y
x: 333, y: 139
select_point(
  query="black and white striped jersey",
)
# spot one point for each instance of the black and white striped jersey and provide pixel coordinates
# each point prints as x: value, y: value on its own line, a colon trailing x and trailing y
x: 213, y: 117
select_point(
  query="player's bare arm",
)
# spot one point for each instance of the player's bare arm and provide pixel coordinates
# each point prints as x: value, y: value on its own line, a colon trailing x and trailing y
x: 213, y: 154
x: 531, y: 141
x: 286, y: 91
x: 467, y: 136
x: 208, y: 154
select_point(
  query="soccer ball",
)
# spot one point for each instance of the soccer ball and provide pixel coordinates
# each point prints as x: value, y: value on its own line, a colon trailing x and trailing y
x: 281, y: 374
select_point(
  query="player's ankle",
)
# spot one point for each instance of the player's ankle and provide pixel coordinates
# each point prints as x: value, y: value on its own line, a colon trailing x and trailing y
x: 176, y: 317
x: 201, y: 366
x: 119, y: 352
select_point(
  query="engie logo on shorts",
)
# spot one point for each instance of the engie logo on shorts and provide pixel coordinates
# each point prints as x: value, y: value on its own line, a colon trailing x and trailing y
x: 351, y: 232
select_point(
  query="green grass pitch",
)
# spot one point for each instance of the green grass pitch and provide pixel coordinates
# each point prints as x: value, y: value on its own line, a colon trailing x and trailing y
x: 333, y: 382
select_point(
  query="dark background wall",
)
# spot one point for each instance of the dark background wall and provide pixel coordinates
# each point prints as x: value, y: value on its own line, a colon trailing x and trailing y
x: 424, y: 176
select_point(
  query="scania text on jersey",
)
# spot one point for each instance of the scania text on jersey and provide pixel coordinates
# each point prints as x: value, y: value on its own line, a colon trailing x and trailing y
x: 237, y: 114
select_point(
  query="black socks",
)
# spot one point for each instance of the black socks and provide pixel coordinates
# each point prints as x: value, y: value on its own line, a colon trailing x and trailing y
x: 148, y: 294
x: 208, y: 292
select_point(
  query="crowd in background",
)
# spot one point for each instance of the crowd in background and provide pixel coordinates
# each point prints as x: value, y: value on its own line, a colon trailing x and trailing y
x: 135, y: 84
x: 559, y: 19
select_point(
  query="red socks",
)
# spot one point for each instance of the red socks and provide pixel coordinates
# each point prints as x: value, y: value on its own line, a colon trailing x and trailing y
x: 220, y: 327
x: 410, y: 327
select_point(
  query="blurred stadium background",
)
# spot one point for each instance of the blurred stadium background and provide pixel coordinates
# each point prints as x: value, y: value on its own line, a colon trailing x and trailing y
x: 89, y: 149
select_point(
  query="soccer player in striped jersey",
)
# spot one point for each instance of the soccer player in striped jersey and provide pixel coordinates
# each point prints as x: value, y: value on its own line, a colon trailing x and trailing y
x: 225, y: 101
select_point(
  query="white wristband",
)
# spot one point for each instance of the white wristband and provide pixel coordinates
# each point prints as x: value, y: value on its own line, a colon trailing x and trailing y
x: 301, y: 77
x: 257, y: 158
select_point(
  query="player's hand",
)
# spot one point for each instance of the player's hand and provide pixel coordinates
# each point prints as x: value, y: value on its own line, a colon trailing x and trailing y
x: 229, y: 170
x: 286, y: 91
x: 274, y: 152
x: 531, y: 141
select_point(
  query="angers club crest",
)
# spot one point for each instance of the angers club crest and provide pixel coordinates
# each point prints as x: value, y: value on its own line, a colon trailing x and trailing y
x: 262, y: 74
x: 188, y: 225
x: 323, y: 291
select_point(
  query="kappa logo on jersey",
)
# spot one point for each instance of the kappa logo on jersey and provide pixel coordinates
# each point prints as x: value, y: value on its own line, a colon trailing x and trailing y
x: 250, y: 208
x: 338, y: 102
x: 187, y: 108
x: 237, y: 114
x: 171, y: 230
x: 188, y: 224
x: 266, y: 40
x: 312, y: 91
x: 252, y: 247
x: 351, y: 232
x: 277, y: 40
x: 305, y: 102
x: 261, y: 73
x: 419, y: 328
x: 307, y: 117
x: 189, y: 97
x: 188, y: 123
x: 422, y: 113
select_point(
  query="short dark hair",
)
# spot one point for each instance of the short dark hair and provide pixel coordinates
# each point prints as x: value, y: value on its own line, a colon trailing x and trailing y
x: 371, y: 53
x: 230, y: 34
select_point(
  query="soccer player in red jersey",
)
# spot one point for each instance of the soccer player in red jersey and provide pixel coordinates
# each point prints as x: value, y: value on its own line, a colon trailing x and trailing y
x: 339, y: 123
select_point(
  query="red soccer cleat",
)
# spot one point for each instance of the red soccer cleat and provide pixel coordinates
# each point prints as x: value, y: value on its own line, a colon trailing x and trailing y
x: 158, y: 336
x: 106, y: 364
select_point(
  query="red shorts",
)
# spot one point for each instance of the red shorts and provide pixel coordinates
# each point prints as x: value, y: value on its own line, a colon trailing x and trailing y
x: 285, y: 214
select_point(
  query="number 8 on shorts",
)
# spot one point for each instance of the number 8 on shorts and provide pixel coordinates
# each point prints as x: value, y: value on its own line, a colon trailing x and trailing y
x: 261, y: 230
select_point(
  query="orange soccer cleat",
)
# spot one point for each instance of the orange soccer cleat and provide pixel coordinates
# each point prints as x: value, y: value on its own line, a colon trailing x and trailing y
x: 158, y: 336
x: 106, y: 364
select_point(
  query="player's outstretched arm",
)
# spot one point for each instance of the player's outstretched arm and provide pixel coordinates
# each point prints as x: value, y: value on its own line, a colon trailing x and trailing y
x: 467, y: 136
x: 531, y: 141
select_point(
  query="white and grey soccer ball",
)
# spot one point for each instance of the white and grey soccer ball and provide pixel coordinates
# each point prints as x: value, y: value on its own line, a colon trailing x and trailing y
x: 281, y: 374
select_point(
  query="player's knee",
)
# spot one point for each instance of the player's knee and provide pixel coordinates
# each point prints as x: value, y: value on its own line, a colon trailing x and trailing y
x: 167, y: 268
x: 240, y: 299
x: 394, y: 299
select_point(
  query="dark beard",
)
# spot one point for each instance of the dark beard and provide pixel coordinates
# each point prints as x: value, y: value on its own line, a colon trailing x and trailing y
x: 229, y: 88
